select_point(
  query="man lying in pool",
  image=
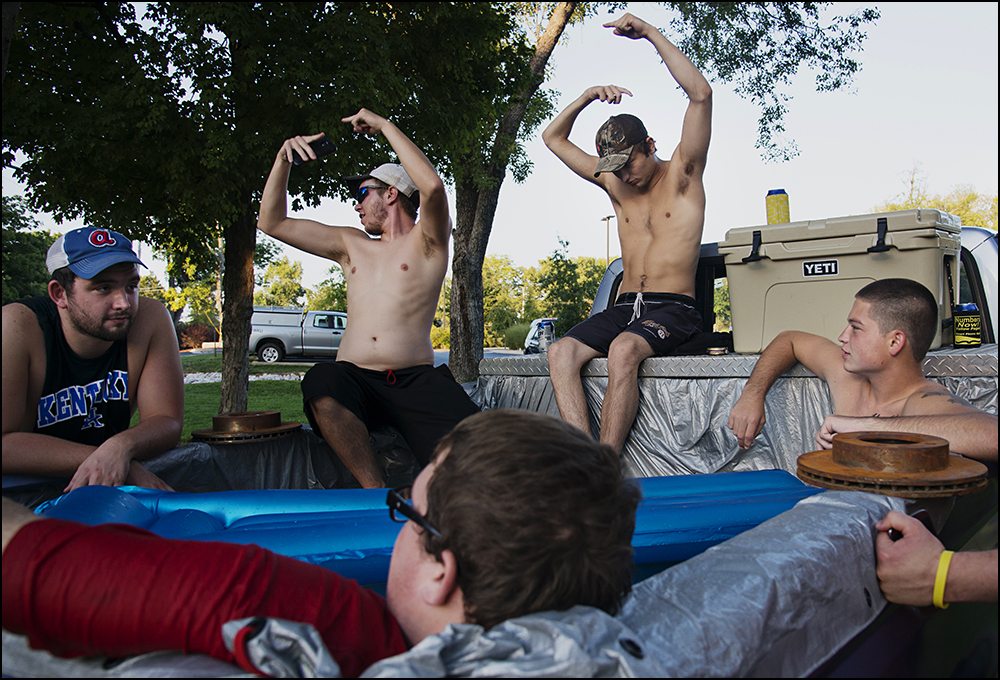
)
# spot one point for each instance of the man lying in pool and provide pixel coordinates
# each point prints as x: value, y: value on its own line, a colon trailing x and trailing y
x: 517, y: 513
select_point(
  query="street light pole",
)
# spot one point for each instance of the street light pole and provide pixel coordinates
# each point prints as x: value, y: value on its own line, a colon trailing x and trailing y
x: 607, y: 241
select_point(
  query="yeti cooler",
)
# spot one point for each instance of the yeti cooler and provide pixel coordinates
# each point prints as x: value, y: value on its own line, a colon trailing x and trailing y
x: 803, y: 275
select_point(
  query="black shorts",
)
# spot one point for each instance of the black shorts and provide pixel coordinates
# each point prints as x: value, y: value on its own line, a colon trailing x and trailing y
x: 423, y: 402
x: 665, y: 321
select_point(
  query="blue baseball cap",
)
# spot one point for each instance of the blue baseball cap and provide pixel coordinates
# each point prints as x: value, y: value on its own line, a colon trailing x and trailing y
x: 88, y: 251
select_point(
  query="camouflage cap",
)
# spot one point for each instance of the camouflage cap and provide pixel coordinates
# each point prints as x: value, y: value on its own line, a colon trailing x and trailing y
x: 615, y: 141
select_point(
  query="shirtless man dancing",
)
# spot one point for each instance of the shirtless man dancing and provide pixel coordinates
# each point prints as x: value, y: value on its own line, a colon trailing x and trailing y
x: 660, y: 208
x: 384, y: 372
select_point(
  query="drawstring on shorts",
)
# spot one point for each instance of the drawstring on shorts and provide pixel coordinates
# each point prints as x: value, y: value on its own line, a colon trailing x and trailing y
x: 637, y: 307
x: 390, y: 379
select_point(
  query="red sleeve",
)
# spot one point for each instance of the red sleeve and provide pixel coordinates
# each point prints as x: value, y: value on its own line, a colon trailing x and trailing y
x: 119, y: 590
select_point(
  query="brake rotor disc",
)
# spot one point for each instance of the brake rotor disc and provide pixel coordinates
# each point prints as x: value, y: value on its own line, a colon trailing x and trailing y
x: 892, y: 464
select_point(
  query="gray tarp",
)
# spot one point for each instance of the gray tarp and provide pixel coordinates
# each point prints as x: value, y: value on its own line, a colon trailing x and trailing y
x: 301, y: 460
x: 777, y: 600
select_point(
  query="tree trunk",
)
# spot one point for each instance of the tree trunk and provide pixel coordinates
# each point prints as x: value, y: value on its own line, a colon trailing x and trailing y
x: 240, y: 236
x: 476, y: 209
x: 237, y: 308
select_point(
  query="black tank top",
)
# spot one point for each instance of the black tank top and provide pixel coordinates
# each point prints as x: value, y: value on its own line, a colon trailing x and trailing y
x: 83, y: 400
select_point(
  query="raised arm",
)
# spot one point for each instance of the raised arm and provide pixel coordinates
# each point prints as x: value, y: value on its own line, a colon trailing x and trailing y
x: 556, y: 135
x: 308, y: 235
x: 931, y: 411
x: 434, y: 221
x: 692, y: 150
x: 816, y: 353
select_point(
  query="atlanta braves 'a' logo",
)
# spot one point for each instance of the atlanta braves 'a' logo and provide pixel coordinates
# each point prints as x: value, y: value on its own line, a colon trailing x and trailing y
x: 101, y: 237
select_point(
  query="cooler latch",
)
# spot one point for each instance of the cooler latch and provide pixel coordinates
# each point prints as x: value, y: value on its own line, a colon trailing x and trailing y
x: 754, y: 255
x: 880, y: 246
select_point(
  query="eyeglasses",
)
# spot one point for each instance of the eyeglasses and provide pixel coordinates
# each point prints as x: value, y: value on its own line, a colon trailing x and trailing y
x: 363, y: 191
x: 396, y: 500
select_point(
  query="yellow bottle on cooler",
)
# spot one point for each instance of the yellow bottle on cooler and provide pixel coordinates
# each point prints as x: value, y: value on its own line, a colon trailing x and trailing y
x: 777, y: 206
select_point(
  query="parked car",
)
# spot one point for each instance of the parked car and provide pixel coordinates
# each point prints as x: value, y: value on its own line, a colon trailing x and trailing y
x: 531, y: 344
x: 280, y: 332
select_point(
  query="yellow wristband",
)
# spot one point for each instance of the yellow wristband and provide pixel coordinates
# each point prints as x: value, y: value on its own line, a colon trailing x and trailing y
x: 942, y: 577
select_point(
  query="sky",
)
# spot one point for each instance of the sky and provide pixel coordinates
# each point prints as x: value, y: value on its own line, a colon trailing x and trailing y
x: 925, y: 99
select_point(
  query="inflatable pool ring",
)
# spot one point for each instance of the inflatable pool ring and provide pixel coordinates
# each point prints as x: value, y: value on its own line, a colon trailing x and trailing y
x: 350, y: 531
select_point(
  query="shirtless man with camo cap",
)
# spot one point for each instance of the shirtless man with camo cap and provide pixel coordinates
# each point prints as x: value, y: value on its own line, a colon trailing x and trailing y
x: 660, y: 209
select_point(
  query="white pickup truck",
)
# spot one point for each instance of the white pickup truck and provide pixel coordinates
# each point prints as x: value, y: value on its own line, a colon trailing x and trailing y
x: 280, y: 332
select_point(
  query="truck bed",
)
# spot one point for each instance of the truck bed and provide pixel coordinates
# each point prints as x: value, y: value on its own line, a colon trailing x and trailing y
x: 682, y: 425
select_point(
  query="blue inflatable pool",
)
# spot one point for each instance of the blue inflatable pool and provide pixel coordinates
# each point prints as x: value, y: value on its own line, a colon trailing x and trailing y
x: 350, y: 532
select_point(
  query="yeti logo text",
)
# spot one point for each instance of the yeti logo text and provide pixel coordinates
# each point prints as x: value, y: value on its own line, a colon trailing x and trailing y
x: 101, y: 237
x: 820, y: 268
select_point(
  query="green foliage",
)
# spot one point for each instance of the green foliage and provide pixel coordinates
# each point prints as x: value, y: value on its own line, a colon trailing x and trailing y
x: 440, y: 337
x: 723, y: 314
x: 284, y: 284
x: 590, y: 271
x: 563, y: 292
x: 514, y: 337
x: 150, y: 286
x: 166, y: 127
x: 759, y: 48
x: 329, y: 295
x: 533, y: 295
x: 265, y: 251
x: 503, y: 286
x: 201, y: 300
x: 443, y: 313
x: 975, y: 209
x: 24, y: 250
x: 514, y: 296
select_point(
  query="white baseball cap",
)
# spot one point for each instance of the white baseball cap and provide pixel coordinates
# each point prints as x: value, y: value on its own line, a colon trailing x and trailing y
x: 392, y: 174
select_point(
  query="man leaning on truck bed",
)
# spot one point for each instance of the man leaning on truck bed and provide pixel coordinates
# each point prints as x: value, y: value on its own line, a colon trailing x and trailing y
x: 875, y: 376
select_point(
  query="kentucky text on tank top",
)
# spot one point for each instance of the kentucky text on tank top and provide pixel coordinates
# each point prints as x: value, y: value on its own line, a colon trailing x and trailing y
x: 83, y: 400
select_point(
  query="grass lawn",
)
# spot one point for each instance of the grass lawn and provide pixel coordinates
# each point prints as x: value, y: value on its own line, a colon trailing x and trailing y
x: 212, y: 363
x: 201, y: 401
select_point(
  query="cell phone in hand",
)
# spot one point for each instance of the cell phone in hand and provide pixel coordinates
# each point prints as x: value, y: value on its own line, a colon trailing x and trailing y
x: 320, y: 147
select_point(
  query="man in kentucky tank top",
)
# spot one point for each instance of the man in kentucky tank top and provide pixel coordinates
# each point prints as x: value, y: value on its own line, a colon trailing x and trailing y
x: 78, y: 363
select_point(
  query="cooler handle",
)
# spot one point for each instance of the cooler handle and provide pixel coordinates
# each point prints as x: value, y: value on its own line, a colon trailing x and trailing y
x: 754, y: 255
x: 880, y: 246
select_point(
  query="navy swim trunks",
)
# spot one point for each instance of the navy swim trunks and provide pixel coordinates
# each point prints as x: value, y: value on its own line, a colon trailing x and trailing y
x: 664, y: 320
